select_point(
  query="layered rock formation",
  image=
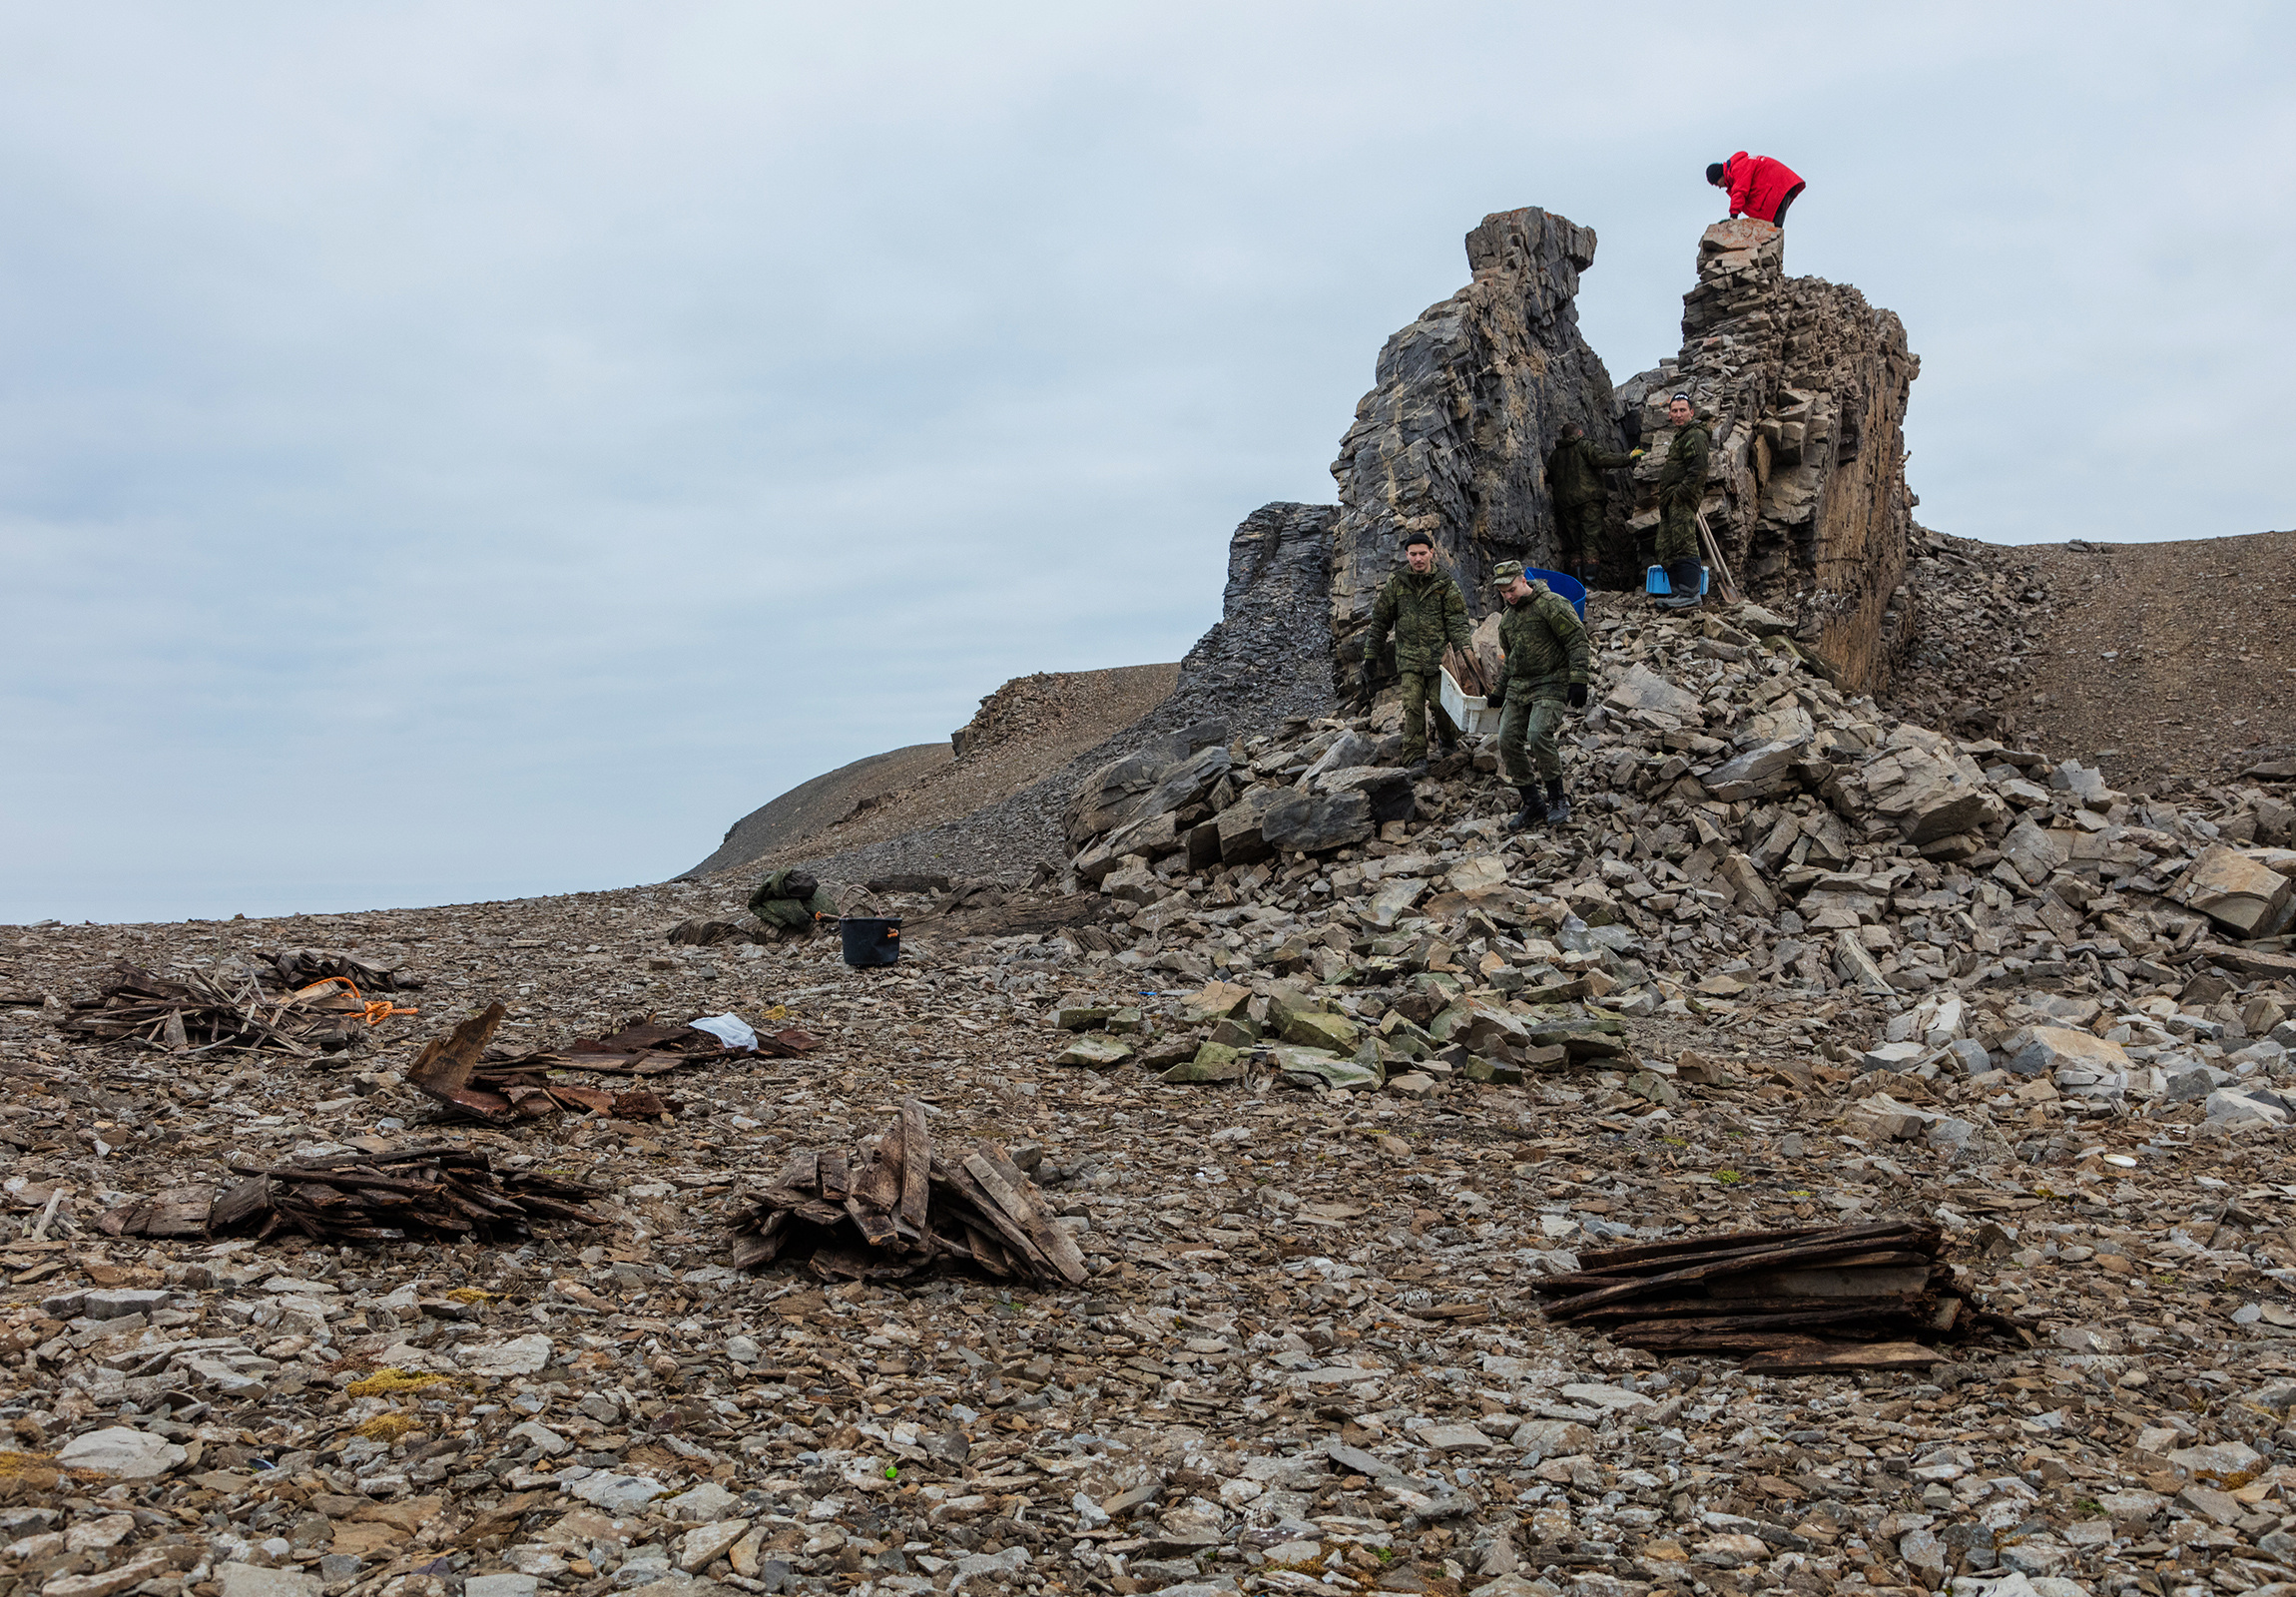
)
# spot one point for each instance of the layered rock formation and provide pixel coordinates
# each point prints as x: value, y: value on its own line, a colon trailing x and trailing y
x: 1267, y: 659
x: 1804, y: 387
x: 1470, y: 398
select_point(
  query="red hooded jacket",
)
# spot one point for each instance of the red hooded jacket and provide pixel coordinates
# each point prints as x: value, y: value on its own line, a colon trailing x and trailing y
x: 1757, y: 184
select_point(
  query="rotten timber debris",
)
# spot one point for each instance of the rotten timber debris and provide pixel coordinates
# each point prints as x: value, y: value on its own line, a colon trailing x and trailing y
x: 426, y: 1194
x: 193, y: 1013
x: 299, y: 967
x: 900, y: 1208
x: 1816, y: 1297
x: 462, y: 1072
x: 641, y: 1047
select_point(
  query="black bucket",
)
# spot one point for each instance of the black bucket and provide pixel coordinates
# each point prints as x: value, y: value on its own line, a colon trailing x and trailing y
x: 869, y: 940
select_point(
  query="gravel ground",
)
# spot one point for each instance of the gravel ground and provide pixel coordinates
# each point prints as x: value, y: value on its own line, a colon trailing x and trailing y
x: 1308, y: 1356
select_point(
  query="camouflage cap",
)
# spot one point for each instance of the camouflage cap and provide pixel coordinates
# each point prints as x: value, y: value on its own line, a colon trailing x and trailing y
x: 1503, y: 573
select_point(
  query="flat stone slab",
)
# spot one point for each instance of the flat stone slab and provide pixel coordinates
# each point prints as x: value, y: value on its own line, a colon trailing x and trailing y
x: 522, y: 1355
x: 617, y: 1494
x: 1094, y: 1052
x: 119, y: 1450
x: 247, y: 1580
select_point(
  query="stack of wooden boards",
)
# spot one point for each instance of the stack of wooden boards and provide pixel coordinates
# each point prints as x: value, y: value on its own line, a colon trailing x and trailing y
x: 426, y: 1193
x: 191, y: 1012
x: 1820, y: 1297
x: 898, y: 1207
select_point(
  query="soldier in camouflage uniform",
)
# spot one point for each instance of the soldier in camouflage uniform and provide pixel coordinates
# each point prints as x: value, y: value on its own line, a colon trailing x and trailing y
x: 1545, y: 647
x: 1574, y: 476
x: 1426, y: 611
x: 1681, y: 485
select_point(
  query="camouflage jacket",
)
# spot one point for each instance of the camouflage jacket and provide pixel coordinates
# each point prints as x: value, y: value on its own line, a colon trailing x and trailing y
x: 1426, y: 613
x: 1574, y: 471
x: 1544, y: 641
x: 1682, y: 480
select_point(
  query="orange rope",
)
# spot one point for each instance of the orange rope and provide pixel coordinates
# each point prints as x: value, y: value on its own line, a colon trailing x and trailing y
x: 374, y: 1011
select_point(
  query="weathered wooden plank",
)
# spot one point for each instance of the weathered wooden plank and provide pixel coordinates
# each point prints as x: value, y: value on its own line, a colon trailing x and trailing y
x: 1844, y: 1355
x: 1903, y: 1272
x: 1010, y: 1192
x: 442, y: 1070
x: 803, y: 1173
x: 917, y: 1163
x: 1698, y: 1331
x: 240, y: 1204
x: 875, y: 1225
x: 1691, y: 1307
x: 878, y: 1184
x: 1795, y: 1254
x: 1015, y: 1236
x: 1676, y: 1254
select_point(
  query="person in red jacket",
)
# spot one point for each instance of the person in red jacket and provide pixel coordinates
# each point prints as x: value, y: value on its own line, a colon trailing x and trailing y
x: 1759, y: 187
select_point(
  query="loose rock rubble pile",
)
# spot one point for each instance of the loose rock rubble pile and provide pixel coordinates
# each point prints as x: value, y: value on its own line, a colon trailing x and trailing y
x: 1799, y: 966
x: 1986, y: 612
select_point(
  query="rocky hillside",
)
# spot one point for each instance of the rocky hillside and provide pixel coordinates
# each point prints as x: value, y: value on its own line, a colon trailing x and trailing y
x: 1030, y: 728
x: 835, y: 798
x: 2163, y: 665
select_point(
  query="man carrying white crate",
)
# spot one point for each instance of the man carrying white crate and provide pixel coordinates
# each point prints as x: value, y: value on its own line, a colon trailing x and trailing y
x: 1546, y: 656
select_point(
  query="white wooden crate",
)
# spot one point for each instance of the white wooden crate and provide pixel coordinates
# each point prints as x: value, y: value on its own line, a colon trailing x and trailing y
x: 1469, y: 713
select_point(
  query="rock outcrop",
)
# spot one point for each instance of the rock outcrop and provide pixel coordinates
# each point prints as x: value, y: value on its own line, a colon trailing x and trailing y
x: 1470, y: 398
x: 1804, y: 387
x: 1268, y: 658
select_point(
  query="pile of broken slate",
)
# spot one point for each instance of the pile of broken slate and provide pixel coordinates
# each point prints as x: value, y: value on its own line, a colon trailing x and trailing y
x: 1796, y: 965
x: 1743, y: 826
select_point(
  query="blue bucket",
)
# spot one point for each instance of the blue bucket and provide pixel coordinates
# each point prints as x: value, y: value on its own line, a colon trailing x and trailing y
x: 1569, y: 587
x: 1654, y: 582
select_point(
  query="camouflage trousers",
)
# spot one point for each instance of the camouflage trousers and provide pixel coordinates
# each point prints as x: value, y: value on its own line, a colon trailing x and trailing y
x: 1678, y: 533
x: 1422, y: 701
x: 1527, y: 728
x: 1578, y: 538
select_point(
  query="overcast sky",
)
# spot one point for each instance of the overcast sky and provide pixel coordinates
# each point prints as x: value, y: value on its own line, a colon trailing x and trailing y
x: 453, y: 452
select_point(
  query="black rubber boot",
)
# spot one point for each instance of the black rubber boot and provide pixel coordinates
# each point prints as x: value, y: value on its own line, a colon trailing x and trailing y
x: 1683, y: 576
x: 1533, y: 810
x: 1557, y: 803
